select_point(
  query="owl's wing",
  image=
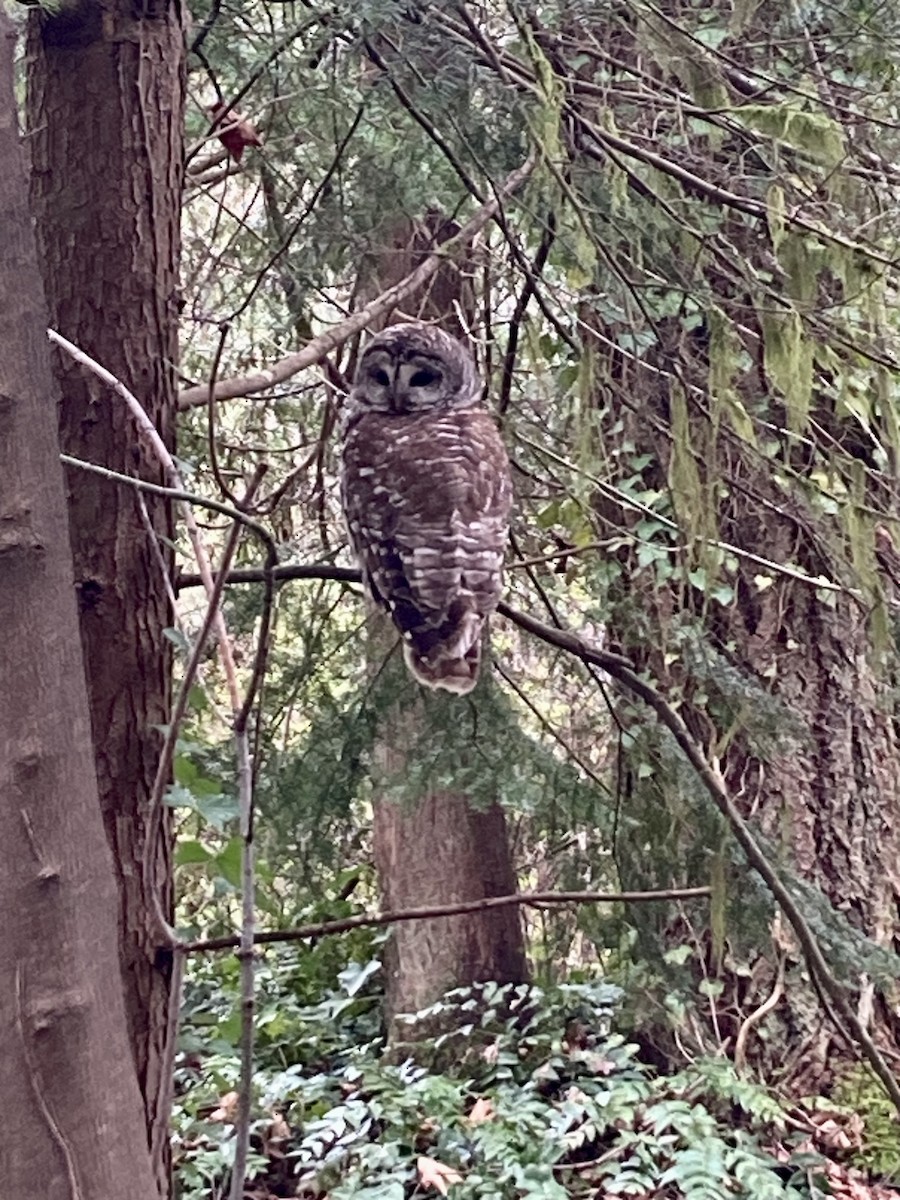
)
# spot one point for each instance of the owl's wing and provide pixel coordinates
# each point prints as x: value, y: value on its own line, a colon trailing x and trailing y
x: 427, y: 507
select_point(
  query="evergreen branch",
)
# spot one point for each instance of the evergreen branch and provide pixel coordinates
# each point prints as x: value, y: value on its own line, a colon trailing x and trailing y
x: 289, y: 235
x: 611, y: 492
x: 605, y: 141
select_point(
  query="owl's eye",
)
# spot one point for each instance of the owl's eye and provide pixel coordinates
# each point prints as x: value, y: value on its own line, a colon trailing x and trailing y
x: 424, y: 378
x: 380, y: 376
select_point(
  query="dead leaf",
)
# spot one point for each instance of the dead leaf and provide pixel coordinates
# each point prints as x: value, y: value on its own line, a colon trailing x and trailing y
x: 436, y: 1174
x: 234, y: 131
x: 227, y: 1110
x: 482, y: 1110
x: 833, y: 1137
x: 597, y: 1064
x: 279, y: 1127
x: 837, y: 1130
x: 273, y: 1138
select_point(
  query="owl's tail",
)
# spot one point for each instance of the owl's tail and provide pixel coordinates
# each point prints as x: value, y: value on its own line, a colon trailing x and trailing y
x: 451, y: 663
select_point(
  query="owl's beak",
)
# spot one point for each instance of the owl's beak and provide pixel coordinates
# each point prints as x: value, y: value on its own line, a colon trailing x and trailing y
x: 398, y: 397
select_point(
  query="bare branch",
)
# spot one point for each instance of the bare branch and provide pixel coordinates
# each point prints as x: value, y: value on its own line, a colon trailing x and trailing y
x: 364, y: 921
x: 314, y: 351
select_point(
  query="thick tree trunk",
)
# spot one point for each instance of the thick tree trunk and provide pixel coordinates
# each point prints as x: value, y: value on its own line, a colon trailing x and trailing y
x: 73, y: 1115
x: 789, y: 690
x: 828, y: 799
x: 442, y: 851
x: 788, y: 687
x: 105, y: 108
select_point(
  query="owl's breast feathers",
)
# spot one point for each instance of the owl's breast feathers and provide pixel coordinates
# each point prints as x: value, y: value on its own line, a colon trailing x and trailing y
x: 427, y: 501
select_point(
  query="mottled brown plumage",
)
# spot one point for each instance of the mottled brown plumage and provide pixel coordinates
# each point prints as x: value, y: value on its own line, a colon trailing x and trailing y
x: 426, y: 492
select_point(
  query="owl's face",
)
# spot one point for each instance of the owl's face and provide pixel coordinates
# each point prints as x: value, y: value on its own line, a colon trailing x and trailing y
x: 412, y: 368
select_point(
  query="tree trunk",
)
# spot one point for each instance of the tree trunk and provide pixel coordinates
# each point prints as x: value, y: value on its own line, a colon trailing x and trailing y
x: 789, y: 688
x: 433, y: 843
x: 814, y: 764
x: 73, y: 1115
x: 719, y: 385
x: 106, y: 107
x: 442, y: 851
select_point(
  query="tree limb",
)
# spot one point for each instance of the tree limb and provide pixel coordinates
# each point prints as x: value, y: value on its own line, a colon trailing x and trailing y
x: 315, y: 350
x: 366, y: 921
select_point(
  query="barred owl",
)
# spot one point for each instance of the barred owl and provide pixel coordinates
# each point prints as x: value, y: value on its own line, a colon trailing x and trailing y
x: 426, y: 492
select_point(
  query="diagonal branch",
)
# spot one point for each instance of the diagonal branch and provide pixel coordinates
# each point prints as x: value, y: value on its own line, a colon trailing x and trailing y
x: 839, y: 1007
x: 315, y: 350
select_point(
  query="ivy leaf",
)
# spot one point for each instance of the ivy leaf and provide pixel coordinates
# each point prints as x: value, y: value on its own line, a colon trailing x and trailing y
x: 711, y: 987
x: 678, y: 955
x: 228, y: 862
x: 354, y: 976
x: 216, y: 809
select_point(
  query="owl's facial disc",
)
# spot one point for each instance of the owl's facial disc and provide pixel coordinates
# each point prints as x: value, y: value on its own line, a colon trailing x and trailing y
x: 418, y: 384
x: 410, y: 369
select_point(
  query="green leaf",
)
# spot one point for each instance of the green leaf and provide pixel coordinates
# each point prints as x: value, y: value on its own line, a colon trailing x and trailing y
x: 711, y: 987
x: 678, y: 955
x: 355, y: 975
x: 228, y: 862
x: 178, y: 639
x: 188, y: 774
x: 188, y: 852
x: 215, y: 809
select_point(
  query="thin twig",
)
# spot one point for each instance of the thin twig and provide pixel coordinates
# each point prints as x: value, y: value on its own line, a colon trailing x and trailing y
x: 224, y: 330
x: 151, y: 436
x: 180, y: 494
x: 163, y: 931
x: 160, y: 1128
x: 248, y: 880
x: 532, y: 278
x: 771, y: 1001
x: 245, y: 954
